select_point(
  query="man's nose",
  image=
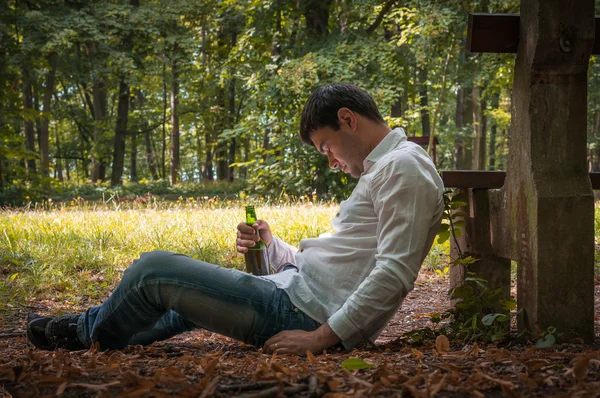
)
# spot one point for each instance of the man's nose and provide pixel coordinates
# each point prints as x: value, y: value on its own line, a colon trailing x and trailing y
x: 333, y: 162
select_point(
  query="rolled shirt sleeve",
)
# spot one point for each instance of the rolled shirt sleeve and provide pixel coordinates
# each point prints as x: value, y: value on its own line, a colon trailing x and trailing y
x: 281, y: 253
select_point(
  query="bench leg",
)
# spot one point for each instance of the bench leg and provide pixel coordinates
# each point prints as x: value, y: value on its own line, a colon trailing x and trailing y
x: 476, y: 242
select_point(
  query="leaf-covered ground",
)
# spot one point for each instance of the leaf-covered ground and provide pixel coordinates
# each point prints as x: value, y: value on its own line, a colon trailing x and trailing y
x: 202, y: 364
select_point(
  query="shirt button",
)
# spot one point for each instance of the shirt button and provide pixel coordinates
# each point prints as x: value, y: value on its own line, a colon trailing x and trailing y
x: 295, y: 309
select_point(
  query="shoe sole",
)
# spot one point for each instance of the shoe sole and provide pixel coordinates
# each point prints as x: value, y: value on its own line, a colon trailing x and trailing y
x: 31, y: 337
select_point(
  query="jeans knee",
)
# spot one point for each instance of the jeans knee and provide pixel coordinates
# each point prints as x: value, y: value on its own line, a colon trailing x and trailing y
x: 150, y: 264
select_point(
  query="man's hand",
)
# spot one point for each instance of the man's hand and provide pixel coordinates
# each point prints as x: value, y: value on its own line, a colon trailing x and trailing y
x: 298, y: 341
x: 246, y: 236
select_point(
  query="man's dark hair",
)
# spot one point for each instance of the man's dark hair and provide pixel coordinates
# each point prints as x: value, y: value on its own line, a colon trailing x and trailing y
x: 323, y: 104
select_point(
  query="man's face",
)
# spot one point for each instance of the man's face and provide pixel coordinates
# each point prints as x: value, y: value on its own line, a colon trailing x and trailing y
x: 343, y: 148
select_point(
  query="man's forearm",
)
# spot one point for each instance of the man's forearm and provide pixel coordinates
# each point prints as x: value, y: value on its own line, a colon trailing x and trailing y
x: 327, y: 336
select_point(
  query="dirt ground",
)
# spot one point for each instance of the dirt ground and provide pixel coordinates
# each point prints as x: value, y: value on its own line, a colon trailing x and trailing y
x: 202, y: 364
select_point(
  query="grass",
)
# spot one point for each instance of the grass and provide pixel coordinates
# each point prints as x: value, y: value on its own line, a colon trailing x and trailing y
x: 77, y: 251
x: 74, y: 253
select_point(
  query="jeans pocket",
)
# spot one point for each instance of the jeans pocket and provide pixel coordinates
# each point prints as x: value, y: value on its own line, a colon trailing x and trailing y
x: 310, y: 323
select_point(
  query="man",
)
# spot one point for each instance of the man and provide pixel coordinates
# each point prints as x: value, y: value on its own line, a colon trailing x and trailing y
x: 338, y: 288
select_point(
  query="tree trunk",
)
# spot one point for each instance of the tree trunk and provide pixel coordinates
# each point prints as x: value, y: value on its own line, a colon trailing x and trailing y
x: 398, y: 107
x: 316, y: 13
x: 458, y: 140
x: 122, y: 117
x: 99, y: 110
x: 59, y: 168
x: 164, y: 122
x: 221, y: 147
x: 424, y: 102
x: 120, y: 133
x: 102, y: 170
x: 232, y: 144
x: 221, y: 162
x: 231, y: 117
x: 479, y: 130
x: 45, y: 122
x: 266, y: 143
x: 208, y: 172
x: 28, y: 128
x: 199, y: 147
x: 493, y: 131
x: 3, y: 79
x: 175, y: 164
x: 133, y: 173
x: 467, y: 123
x: 150, y: 157
x: 36, y: 108
x: 246, y: 157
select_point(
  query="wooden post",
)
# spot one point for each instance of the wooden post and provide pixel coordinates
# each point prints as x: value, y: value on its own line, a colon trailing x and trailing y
x: 548, y: 190
x: 476, y: 241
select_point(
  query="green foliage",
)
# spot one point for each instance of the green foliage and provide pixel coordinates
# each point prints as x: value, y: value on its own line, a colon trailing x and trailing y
x: 452, y: 221
x: 474, y: 316
x: 353, y: 364
x: 243, y: 69
x: 547, y: 338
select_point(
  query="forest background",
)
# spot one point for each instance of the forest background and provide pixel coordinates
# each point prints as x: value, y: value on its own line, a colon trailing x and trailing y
x: 194, y: 97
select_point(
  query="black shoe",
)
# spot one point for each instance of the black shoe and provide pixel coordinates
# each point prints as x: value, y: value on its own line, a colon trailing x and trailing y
x: 53, y: 333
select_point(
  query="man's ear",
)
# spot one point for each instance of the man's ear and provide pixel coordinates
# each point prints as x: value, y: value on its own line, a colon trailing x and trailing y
x: 347, y: 118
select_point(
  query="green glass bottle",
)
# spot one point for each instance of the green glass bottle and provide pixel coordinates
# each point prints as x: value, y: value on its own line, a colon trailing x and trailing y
x: 257, y: 261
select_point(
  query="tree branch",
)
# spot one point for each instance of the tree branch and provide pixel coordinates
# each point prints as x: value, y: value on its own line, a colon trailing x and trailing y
x: 386, y: 8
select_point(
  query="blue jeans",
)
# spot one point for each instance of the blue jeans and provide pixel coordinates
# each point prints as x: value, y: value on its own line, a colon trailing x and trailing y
x: 163, y: 294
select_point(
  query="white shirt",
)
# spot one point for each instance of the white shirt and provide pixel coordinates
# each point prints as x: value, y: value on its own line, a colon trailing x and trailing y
x: 356, y: 278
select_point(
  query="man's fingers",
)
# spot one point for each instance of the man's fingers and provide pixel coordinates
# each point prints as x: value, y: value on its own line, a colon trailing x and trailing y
x: 273, y: 343
x: 243, y: 228
x: 261, y: 224
x: 248, y: 238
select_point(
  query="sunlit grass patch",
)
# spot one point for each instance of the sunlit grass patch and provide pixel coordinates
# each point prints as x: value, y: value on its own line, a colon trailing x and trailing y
x: 77, y: 252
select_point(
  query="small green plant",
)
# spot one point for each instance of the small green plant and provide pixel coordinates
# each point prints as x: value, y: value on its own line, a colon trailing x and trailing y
x: 474, y: 316
x: 548, y: 337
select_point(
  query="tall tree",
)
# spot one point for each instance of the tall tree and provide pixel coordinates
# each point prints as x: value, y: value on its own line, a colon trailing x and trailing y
x: 424, y: 101
x: 45, y: 122
x: 28, y: 127
x: 479, y: 128
x: 175, y: 162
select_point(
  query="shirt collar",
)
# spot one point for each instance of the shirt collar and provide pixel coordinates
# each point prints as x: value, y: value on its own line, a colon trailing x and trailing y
x: 389, y: 142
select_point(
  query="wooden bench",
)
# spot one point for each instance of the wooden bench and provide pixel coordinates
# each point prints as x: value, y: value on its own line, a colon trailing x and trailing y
x: 541, y: 212
x: 484, y: 237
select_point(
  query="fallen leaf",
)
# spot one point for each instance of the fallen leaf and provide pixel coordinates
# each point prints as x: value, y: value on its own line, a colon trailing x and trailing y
x: 95, y: 387
x: 311, y: 357
x: 210, y: 388
x: 418, y: 354
x: 355, y: 364
x: 435, y: 388
x: 509, y: 392
x: 528, y: 381
x: 442, y: 344
x: 333, y: 384
x: 581, y: 367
